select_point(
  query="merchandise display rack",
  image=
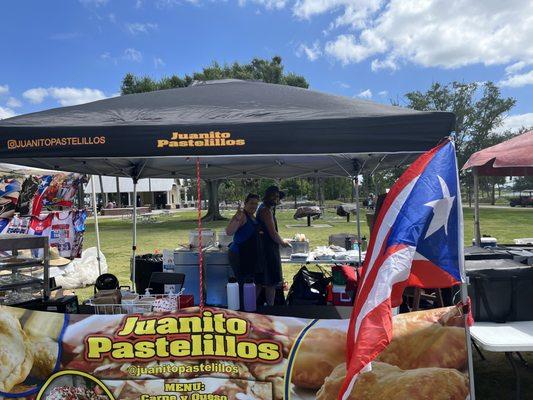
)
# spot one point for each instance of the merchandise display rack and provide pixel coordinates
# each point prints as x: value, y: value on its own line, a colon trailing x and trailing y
x: 23, y: 268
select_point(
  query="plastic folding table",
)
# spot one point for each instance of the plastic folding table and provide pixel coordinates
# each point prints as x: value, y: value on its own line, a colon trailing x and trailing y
x: 508, y: 338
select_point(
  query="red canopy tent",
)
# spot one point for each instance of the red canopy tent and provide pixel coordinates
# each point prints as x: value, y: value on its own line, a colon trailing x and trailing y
x: 513, y: 157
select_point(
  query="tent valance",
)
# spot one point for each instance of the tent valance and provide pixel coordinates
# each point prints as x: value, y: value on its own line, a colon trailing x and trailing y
x: 514, y: 157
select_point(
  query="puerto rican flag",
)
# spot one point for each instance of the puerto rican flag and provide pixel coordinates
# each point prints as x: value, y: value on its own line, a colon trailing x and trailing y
x: 417, y: 240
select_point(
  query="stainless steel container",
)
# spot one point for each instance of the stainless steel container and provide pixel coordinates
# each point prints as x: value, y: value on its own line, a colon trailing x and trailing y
x: 297, y: 247
x: 339, y: 239
x: 216, y: 273
x: 224, y: 240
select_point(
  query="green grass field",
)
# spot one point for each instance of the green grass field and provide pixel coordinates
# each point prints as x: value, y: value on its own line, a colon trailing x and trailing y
x: 494, y: 379
x: 172, y: 230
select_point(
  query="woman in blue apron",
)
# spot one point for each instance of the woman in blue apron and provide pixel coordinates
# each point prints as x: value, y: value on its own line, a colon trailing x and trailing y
x: 266, y: 216
x: 245, y: 252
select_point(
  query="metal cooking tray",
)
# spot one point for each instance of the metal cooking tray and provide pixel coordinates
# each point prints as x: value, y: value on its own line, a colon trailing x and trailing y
x: 19, y: 261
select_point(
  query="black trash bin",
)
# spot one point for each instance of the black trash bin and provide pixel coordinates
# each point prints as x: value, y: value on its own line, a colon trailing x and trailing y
x: 144, y: 266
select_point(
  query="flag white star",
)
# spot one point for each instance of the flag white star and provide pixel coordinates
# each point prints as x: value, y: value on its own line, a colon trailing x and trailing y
x: 441, y: 210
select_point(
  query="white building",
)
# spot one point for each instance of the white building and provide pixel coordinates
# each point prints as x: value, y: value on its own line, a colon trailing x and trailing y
x: 157, y: 192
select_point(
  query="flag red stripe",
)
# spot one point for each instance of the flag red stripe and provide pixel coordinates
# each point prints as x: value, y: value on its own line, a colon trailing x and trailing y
x: 362, y: 294
x: 425, y: 274
x: 374, y: 336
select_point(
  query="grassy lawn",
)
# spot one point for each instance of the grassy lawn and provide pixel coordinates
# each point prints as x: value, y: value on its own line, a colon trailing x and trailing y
x: 172, y: 230
x: 494, y: 379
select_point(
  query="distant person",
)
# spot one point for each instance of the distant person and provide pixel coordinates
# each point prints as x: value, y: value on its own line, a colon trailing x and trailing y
x: 371, y: 201
x: 245, y: 252
x: 266, y: 215
x: 110, y: 204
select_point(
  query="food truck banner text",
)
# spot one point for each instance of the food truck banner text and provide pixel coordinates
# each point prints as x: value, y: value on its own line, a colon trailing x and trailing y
x: 217, y: 354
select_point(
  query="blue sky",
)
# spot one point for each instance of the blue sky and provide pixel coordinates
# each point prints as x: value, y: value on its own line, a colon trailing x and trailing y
x: 57, y: 53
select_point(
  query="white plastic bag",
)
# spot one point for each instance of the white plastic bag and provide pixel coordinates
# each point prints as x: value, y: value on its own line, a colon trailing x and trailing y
x: 82, y: 271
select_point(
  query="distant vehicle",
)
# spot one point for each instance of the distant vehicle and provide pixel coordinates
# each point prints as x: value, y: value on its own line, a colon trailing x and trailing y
x: 525, y: 199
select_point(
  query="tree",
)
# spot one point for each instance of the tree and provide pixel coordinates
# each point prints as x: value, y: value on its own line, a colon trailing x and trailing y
x: 337, y: 188
x: 479, y: 110
x: 523, y: 183
x: 295, y: 188
x: 270, y: 71
x: 258, y: 69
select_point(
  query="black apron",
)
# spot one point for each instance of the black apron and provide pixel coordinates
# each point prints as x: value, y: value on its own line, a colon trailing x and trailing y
x: 273, y: 274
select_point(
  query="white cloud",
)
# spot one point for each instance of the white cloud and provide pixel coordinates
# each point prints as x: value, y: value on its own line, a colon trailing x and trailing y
x: 4, y: 89
x: 384, y: 93
x: 312, y: 53
x: 65, y: 96
x: 13, y: 102
x: 518, y: 80
x: 515, y: 122
x: 95, y: 3
x: 514, y: 68
x: 429, y: 33
x: 133, y: 55
x: 6, y: 113
x: 68, y: 96
x: 365, y: 94
x: 343, y: 85
x: 158, y: 62
x: 35, y: 95
x: 353, y: 13
x: 162, y: 4
x: 387, y: 63
x: 268, y: 4
x: 347, y: 49
x: 137, y: 27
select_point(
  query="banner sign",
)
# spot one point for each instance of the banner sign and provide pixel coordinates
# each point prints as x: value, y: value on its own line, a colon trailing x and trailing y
x: 217, y: 354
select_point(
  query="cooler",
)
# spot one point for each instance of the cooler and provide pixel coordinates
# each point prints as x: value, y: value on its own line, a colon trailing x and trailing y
x: 340, y: 297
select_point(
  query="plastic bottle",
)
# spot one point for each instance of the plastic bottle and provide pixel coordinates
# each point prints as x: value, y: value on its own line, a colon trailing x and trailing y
x: 364, y: 244
x: 249, y: 295
x: 232, y: 289
x: 348, y: 243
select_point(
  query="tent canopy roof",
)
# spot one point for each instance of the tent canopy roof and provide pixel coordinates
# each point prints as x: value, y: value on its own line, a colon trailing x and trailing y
x: 514, y: 157
x: 236, y: 127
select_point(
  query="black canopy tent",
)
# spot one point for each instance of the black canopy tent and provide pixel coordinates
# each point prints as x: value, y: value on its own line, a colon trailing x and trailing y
x: 238, y: 129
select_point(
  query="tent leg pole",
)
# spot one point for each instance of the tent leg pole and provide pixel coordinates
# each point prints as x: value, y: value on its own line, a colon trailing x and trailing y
x: 358, y: 211
x: 477, y: 230
x: 464, y: 283
x: 464, y: 300
x: 134, y: 238
x: 96, y: 227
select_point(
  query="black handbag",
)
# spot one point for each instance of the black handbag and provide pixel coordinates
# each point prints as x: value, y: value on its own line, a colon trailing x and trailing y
x: 502, y: 295
x: 308, y: 288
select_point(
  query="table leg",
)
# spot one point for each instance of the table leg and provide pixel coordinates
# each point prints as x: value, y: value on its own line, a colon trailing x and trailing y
x: 516, y: 373
x: 522, y: 359
x: 478, y: 351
